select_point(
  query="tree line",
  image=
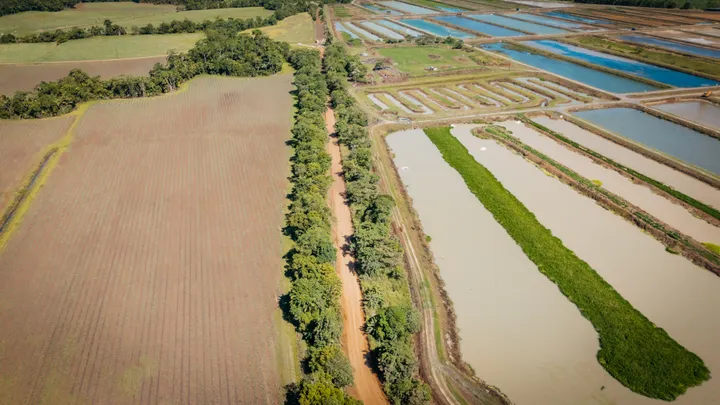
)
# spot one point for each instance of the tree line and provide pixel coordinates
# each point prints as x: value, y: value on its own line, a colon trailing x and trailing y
x: 313, y: 303
x: 19, y: 6
x: 174, y: 27
x: 392, y: 321
x: 220, y: 53
x: 656, y: 3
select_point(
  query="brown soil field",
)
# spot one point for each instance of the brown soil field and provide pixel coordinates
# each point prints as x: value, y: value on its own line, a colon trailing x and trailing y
x: 22, y: 144
x: 147, y: 269
x: 625, y: 18
x: 25, y: 77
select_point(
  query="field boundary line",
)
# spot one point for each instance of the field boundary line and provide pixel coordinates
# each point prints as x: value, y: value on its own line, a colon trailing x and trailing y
x: 57, y: 62
x: 36, y: 179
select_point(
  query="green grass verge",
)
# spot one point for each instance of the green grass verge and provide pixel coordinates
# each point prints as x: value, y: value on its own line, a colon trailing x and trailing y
x: 198, y: 16
x: 712, y: 247
x: 638, y: 354
x: 98, y: 48
x: 651, y: 55
x: 680, y: 196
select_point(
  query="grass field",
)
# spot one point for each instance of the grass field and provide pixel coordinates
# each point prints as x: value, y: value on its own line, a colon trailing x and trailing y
x: 414, y: 60
x: 161, y: 265
x: 633, y: 350
x: 83, y: 15
x: 651, y: 55
x: 98, y: 48
x: 199, y: 15
x: 296, y: 29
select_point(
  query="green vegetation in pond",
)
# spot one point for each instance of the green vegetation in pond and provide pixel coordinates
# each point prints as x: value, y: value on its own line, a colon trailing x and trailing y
x: 651, y: 55
x: 712, y: 247
x: 680, y: 196
x: 638, y: 354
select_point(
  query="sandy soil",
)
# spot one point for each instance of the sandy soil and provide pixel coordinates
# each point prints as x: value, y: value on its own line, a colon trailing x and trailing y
x: 22, y: 144
x: 147, y: 269
x: 367, y: 385
x: 25, y: 77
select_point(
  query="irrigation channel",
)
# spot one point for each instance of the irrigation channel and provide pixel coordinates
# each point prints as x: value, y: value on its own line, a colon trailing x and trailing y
x: 527, y: 338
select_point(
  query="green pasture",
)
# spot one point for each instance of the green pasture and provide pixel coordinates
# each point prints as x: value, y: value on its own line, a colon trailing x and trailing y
x: 98, y: 48
x: 299, y: 28
x: 414, y: 60
x: 85, y: 14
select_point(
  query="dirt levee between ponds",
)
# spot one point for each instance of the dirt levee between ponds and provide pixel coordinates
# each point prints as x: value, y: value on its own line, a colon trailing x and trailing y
x: 24, y: 77
x: 147, y: 269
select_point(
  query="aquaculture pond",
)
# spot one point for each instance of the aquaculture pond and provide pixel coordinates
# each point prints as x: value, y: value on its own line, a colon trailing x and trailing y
x: 399, y: 28
x: 668, y: 289
x: 342, y: 28
x: 380, y: 10
x: 652, y: 72
x: 695, y: 50
x: 592, y: 77
x: 487, y: 29
x: 370, y: 25
x: 449, y: 9
x: 624, y: 156
x: 362, y: 32
x: 436, y: 29
x: 573, y: 17
x: 675, y: 140
x: 408, y: 8
x: 549, y: 21
x: 516, y: 24
x: 703, y: 113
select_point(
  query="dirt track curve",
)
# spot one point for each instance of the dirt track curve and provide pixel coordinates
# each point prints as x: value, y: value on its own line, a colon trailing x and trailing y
x: 367, y: 385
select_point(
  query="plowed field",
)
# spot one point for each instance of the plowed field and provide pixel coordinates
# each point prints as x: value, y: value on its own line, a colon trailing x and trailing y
x: 26, y: 76
x: 147, y: 269
x: 22, y: 144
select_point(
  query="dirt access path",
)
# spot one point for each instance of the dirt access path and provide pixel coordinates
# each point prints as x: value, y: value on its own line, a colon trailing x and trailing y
x: 367, y: 385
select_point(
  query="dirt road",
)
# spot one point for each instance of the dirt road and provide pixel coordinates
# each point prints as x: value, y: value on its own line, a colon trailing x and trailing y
x: 367, y: 385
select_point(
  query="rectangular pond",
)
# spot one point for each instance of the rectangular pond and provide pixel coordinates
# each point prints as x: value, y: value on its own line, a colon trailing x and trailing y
x: 362, y: 32
x: 648, y: 71
x: 341, y: 28
x: 634, y: 160
x: 436, y: 29
x: 487, y: 29
x: 399, y: 28
x: 704, y: 113
x: 448, y: 9
x: 592, y: 77
x: 407, y: 8
x: 371, y: 25
x: 573, y: 17
x: 380, y: 10
x: 548, y: 21
x: 668, y: 289
x: 695, y: 50
x: 516, y: 24
x: 672, y: 139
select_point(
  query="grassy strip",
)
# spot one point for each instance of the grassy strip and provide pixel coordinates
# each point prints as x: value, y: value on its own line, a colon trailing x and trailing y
x: 638, y: 354
x: 680, y: 196
x: 442, y: 99
x: 555, y: 87
x: 477, y: 99
x: 670, y: 60
x: 712, y: 247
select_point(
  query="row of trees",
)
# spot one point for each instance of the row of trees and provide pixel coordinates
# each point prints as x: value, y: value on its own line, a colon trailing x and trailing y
x: 219, y: 53
x: 18, y: 6
x: 655, y: 3
x: 377, y: 250
x: 313, y: 301
x: 173, y: 27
